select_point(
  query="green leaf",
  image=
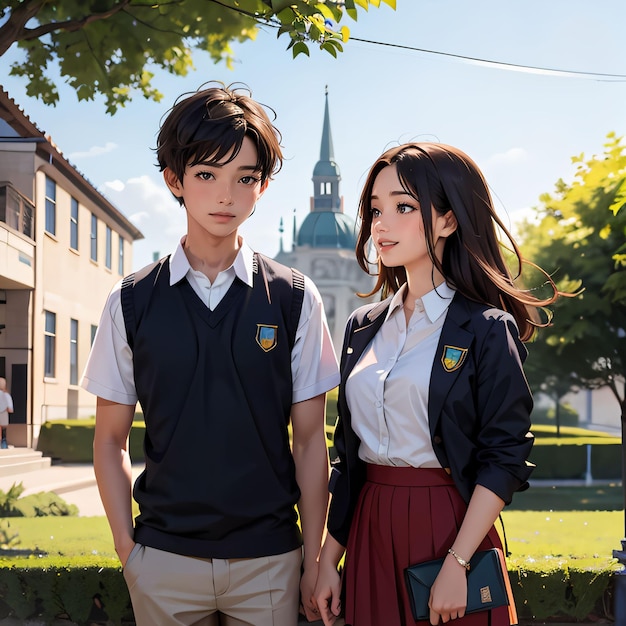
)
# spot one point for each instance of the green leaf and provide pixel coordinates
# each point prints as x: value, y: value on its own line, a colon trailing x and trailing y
x: 315, y: 34
x: 279, y: 5
x: 300, y: 48
x: 330, y: 48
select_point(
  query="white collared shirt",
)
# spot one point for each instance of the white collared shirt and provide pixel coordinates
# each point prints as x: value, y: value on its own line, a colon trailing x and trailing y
x: 387, y: 391
x: 109, y: 370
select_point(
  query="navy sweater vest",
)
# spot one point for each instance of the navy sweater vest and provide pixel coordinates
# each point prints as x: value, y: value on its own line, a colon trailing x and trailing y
x: 216, y: 392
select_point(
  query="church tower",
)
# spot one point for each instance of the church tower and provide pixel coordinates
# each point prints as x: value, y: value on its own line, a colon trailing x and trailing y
x: 324, y: 245
x: 326, y: 176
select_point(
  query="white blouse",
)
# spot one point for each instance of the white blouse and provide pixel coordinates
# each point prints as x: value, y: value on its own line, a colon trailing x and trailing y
x: 387, y: 391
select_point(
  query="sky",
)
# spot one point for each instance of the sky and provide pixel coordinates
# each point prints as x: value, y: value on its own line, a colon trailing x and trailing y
x: 521, y: 127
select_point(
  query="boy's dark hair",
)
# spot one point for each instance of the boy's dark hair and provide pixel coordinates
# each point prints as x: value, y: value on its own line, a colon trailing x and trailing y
x: 209, y: 125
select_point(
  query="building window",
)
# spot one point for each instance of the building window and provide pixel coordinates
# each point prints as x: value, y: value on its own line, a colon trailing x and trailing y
x: 94, y: 238
x: 73, y: 352
x: 16, y: 210
x: 107, y: 250
x: 74, y: 225
x: 51, y: 206
x: 94, y: 328
x: 120, y: 258
x: 50, y: 344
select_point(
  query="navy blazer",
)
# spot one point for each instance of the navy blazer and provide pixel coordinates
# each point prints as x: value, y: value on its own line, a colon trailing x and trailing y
x: 479, y: 406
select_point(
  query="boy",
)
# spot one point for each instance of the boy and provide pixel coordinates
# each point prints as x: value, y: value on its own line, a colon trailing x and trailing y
x: 213, y: 343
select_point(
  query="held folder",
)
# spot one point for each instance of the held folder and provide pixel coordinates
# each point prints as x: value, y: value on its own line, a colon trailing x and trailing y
x: 486, y: 587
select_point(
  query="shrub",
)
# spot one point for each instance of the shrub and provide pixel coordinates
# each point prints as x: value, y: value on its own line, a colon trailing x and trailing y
x: 35, y: 505
x: 71, y: 441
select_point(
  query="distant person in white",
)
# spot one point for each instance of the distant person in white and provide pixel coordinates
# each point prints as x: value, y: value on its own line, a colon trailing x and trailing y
x: 6, y: 407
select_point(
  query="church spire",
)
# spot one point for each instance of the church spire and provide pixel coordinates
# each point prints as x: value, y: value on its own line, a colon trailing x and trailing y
x: 326, y: 149
x: 326, y: 174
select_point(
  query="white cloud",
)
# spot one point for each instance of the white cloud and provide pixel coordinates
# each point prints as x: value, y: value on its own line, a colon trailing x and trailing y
x: 94, y: 151
x: 115, y: 185
x: 152, y: 208
x: 508, y: 158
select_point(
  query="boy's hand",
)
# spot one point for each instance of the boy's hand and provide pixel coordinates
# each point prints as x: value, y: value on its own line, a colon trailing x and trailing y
x: 307, y: 587
x: 124, y: 549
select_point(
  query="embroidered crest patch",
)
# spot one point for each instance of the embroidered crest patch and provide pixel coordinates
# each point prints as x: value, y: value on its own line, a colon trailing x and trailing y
x: 266, y: 336
x: 453, y: 358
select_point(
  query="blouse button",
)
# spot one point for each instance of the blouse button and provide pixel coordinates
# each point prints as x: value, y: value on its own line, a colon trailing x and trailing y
x: 437, y: 439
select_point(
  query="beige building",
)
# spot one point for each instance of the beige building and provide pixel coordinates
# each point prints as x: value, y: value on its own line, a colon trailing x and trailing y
x: 62, y: 247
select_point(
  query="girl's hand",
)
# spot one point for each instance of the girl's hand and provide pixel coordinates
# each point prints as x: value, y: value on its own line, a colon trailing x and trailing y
x: 448, y: 595
x: 327, y: 593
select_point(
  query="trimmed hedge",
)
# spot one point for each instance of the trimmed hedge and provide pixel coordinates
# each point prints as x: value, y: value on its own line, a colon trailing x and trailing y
x: 71, y: 441
x: 564, y: 457
x: 83, y: 595
x: 567, y: 459
x: 88, y: 595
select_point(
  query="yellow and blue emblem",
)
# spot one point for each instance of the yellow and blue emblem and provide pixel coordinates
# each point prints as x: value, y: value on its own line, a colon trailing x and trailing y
x: 266, y: 336
x: 452, y: 358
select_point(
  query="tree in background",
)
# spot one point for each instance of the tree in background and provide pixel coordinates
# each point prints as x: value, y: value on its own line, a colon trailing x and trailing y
x: 580, y: 235
x: 107, y: 46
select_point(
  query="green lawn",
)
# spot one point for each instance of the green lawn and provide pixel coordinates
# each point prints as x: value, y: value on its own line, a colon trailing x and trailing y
x: 533, y: 537
x: 581, y: 538
x: 60, y: 539
x: 545, y: 522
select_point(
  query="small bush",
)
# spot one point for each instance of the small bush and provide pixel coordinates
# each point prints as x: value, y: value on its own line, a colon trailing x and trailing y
x: 39, y: 504
x: 9, y: 538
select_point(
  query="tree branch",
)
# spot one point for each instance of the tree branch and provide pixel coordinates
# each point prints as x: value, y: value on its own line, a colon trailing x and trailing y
x: 72, y: 25
x: 13, y: 29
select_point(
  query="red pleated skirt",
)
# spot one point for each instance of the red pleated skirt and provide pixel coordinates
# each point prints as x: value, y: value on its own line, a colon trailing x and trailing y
x: 404, y: 516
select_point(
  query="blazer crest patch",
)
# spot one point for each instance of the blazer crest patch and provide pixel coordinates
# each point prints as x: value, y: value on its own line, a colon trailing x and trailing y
x: 266, y: 336
x: 452, y: 358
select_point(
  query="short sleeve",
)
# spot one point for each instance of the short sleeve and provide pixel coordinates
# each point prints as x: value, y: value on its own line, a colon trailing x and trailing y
x: 314, y: 366
x: 109, y: 370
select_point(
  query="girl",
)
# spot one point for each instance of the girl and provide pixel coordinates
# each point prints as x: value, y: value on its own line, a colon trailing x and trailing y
x: 433, y: 435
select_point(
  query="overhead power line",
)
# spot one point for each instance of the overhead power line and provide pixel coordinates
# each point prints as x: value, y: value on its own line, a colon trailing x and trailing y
x: 515, y: 67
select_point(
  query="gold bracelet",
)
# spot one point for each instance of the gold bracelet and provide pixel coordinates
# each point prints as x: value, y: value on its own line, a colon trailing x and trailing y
x: 460, y: 560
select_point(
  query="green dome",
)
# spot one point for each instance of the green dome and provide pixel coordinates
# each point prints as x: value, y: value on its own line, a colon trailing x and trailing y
x: 326, y: 169
x: 327, y: 229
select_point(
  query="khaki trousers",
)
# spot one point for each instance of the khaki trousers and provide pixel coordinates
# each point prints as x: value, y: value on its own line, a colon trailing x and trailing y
x: 170, y: 590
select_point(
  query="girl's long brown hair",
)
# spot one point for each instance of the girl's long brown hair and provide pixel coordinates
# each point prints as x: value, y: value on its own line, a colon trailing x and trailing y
x: 445, y: 178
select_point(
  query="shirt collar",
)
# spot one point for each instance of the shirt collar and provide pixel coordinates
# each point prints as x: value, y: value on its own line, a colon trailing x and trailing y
x: 396, y: 301
x: 242, y: 265
x: 435, y: 302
